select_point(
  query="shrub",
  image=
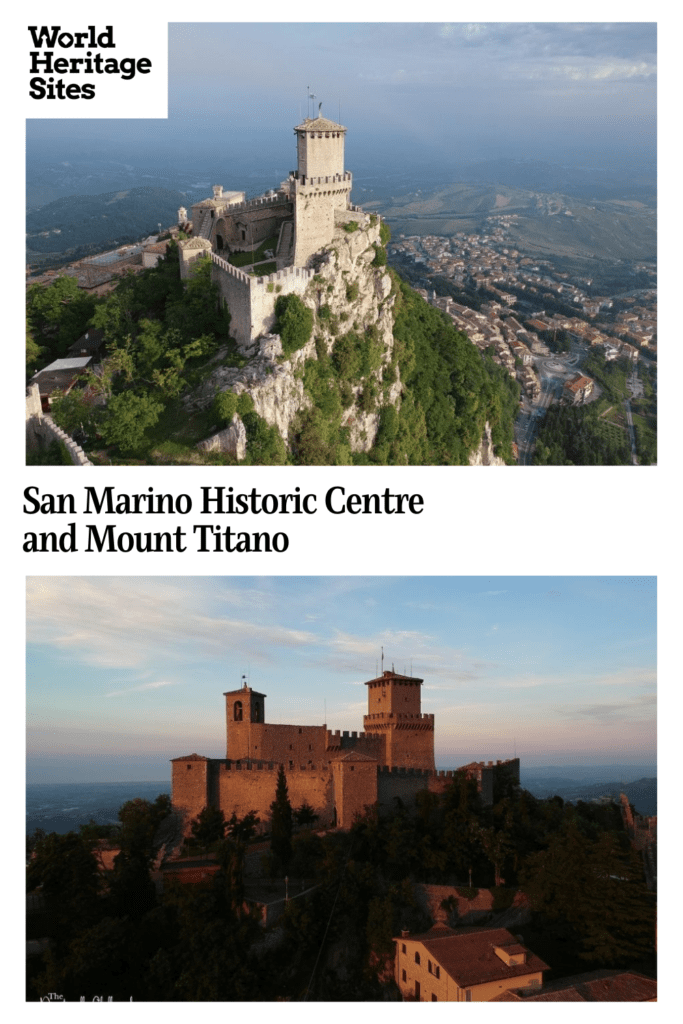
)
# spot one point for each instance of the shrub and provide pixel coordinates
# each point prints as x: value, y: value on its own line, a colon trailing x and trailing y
x: 294, y: 323
x: 351, y: 226
x: 466, y: 892
x: 245, y: 404
x: 380, y: 259
x: 352, y: 291
x: 225, y: 406
x: 384, y: 233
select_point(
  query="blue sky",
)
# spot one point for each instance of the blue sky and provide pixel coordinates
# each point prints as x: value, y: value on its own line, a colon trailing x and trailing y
x: 575, y: 92
x: 124, y: 673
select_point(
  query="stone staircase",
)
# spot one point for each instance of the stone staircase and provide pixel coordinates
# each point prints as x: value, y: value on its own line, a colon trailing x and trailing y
x: 283, y: 253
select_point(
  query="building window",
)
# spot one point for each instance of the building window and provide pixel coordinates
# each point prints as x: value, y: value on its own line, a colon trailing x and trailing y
x: 417, y: 990
x: 437, y: 970
x: 417, y: 957
x: 403, y: 976
x: 237, y: 711
x: 429, y: 966
x: 434, y: 999
x: 257, y: 712
x: 291, y: 747
x: 403, y: 947
x: 468, y: 995
x: 189, y: 767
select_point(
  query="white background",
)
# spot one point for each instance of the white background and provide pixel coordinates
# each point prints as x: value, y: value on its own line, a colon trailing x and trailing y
x: 523, y: 520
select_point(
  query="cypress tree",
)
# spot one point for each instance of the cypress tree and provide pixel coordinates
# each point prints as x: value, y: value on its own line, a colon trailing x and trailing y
x: 281, y: 820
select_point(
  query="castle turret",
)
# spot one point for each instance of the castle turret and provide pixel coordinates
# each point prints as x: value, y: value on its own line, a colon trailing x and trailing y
x: 394, y: 712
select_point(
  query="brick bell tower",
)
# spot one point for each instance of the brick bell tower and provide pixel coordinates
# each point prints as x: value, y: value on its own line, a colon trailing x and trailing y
x: 394, y: 712
x: 245, y: 712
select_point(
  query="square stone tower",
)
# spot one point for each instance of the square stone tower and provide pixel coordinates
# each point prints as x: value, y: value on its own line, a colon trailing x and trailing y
x: 321, y: 185
x: 394, y: 712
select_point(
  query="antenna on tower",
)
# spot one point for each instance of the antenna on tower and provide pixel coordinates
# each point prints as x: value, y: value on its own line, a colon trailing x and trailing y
x: 382, y: 660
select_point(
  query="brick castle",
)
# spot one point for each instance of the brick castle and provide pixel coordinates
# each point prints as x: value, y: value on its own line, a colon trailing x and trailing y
x: 338, y: 774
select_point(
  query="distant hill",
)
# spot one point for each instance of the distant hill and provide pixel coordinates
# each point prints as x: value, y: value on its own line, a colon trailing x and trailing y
x: 83, y: 224
x: 642, y: 793
x: 544, y: 223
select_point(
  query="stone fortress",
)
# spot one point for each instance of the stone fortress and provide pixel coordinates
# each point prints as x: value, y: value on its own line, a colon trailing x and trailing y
x: 338, y: 774
x: 303, y: 214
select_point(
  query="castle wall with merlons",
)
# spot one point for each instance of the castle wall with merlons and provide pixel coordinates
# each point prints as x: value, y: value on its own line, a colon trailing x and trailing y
x: 251, y: 226
x: 314, y: 215
x: 251, y: 300
x: 333, y: 787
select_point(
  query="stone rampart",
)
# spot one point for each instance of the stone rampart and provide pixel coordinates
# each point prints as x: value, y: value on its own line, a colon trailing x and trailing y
x: 251, y: 299
x: 241, y: 787
x: 41, y: 430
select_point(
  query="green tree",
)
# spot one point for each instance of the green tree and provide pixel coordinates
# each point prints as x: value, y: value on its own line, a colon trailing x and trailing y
x: 294, y: 323
x: 208, y: 827
x: 305, y: 815
x: 139, y: 821
x: 590, y: 893
x: 67, y: 870
x: 281, y: 820
x: 127, y: 417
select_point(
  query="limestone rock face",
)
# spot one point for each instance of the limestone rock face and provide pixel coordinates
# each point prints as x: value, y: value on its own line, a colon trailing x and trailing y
x: 232, y: 440
x: 484, y: 455
x: 347, y: 293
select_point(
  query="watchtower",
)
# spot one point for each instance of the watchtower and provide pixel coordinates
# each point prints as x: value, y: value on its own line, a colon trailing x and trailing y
x: 394, y: 712
x: 321, y: 185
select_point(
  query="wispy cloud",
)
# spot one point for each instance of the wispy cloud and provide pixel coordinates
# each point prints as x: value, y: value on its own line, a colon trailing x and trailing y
x: 138, y: 689
x: 124, y: 622
x: 637, y: 707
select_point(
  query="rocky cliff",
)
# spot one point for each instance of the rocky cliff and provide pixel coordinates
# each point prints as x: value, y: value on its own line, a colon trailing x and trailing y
x: 347, y: 294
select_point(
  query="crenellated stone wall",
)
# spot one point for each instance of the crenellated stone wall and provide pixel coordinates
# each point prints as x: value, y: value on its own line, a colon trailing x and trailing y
x: 41, y: 430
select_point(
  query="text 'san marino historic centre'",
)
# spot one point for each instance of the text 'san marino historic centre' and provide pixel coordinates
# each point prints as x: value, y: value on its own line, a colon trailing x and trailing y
x: 338, y: 774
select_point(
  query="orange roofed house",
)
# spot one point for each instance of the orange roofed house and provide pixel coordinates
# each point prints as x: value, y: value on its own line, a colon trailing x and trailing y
x: 470, y: 965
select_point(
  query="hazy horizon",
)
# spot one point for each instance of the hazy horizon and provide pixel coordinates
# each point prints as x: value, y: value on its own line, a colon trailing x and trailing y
x: 432, y: 95
x: 125, y: 673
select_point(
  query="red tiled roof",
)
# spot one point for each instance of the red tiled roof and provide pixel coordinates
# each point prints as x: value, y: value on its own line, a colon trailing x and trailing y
x: 594, y: 987
x: 469, y: 958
